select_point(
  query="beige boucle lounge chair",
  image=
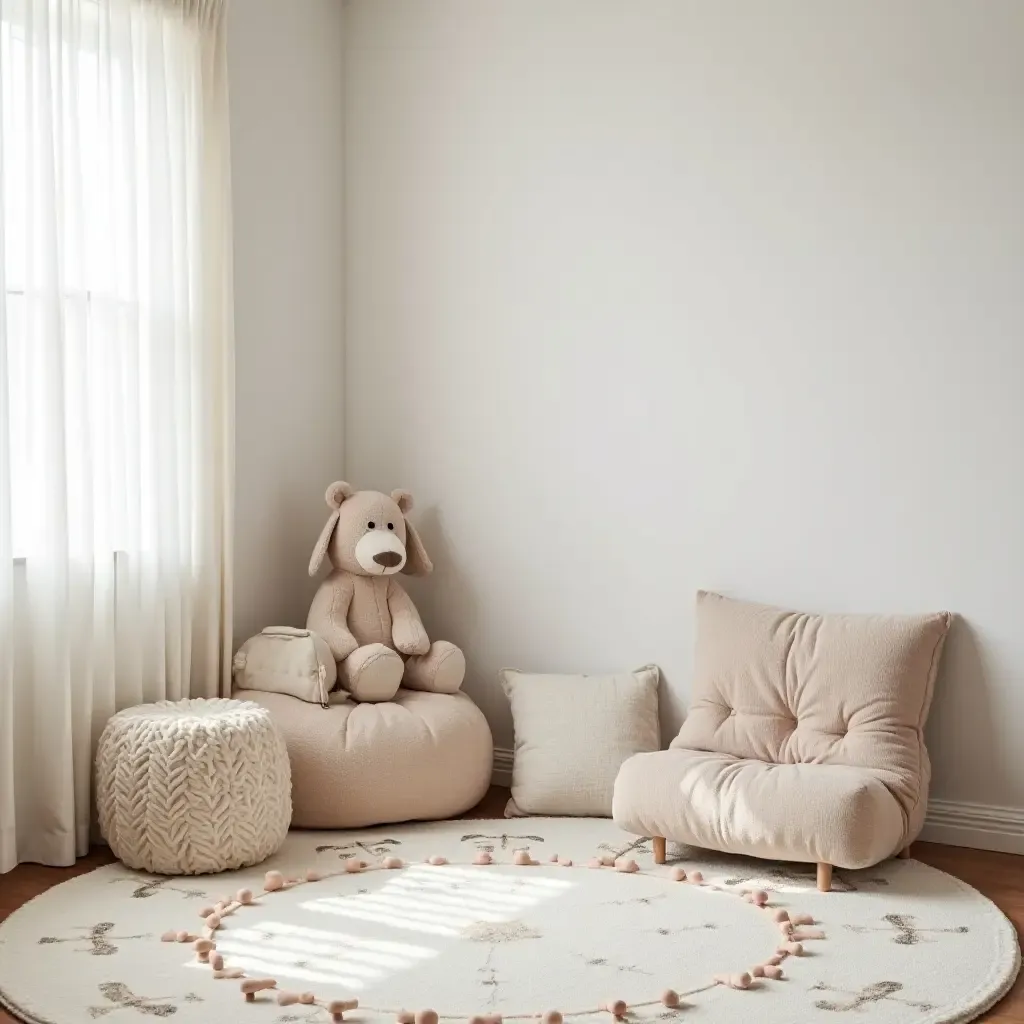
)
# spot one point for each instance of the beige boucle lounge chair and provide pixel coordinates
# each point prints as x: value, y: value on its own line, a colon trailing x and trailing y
x: 804, y: 740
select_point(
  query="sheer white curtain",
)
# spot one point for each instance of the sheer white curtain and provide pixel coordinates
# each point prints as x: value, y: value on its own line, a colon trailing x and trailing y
x: 116, y: 404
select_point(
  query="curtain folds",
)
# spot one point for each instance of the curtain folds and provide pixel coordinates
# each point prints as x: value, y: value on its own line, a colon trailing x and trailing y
x: 116, y: 388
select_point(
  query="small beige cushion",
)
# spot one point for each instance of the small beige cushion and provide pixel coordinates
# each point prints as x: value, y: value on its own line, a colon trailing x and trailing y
x: 422, y: 756
x: 791, y: 688
x: 833, y: 814
x: 572, y: 734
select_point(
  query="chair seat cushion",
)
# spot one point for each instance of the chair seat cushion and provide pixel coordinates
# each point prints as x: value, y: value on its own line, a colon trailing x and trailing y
x: 822, y: 813
x: 422, y: 756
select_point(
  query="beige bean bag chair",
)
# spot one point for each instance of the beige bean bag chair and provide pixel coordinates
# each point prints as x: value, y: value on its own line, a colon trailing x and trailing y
x: 804, y: 740
x: 421, y: 756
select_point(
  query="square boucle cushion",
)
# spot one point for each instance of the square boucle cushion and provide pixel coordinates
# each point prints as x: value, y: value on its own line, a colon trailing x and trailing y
x: 789, y: 688
x: 572, y: 734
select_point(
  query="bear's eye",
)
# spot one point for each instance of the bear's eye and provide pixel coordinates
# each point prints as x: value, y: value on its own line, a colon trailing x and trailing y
x: 370, y: 526
x: 391, y: 526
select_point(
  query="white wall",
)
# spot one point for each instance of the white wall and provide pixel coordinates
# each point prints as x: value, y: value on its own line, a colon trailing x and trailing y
x: 285, y: 68
x: 650, y: 296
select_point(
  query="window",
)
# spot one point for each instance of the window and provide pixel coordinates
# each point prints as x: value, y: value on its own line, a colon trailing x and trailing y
x: 115, y: 387
x: 99, y: 161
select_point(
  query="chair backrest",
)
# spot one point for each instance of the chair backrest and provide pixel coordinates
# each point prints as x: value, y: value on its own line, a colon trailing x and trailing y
x: 791, y: 688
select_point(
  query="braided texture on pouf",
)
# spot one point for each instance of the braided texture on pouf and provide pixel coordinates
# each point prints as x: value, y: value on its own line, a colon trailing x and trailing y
x: 193, y: 786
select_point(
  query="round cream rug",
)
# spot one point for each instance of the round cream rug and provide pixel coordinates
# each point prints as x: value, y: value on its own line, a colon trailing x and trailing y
x: 900, y: 942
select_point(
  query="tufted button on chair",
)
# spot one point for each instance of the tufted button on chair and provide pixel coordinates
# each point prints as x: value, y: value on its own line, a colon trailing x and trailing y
x: 804, y: 740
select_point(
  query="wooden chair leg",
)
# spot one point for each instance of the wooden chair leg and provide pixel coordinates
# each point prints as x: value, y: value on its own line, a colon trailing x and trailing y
x: 659, y: 850
x: 825, y: 877
x: 904, y: 854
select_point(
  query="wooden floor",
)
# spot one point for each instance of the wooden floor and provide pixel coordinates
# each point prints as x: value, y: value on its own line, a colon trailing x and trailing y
x: 998, y: 875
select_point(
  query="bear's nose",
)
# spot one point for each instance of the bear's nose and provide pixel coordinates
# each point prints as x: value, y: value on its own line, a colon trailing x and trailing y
x: 387, y: 558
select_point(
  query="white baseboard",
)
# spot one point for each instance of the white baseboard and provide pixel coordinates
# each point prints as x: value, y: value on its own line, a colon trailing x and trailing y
x: 502, y: 772
x: 981, y: 826
x: 949, y: 822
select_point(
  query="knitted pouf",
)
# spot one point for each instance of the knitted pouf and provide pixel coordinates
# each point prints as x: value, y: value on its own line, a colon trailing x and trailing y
x: 193, y: 786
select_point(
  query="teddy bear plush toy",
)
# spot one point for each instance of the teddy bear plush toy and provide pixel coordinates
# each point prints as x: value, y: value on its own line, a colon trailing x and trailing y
x: 362, y: 611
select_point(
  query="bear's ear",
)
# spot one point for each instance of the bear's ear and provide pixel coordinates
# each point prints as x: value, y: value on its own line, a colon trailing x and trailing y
x: 337, y: 493
x: 403, y: 499
x: 323, y: 543
x: 417, y: 561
